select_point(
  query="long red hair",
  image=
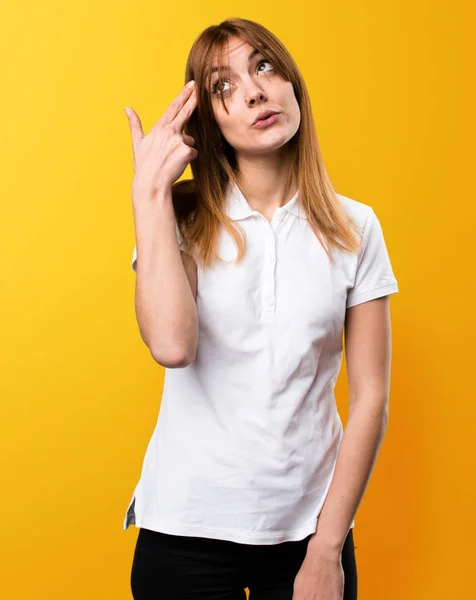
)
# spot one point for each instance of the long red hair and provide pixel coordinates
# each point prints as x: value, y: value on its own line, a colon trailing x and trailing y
x: 199, y: 202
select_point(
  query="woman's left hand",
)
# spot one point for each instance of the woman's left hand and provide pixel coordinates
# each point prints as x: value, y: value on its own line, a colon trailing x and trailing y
x: 319, y: 579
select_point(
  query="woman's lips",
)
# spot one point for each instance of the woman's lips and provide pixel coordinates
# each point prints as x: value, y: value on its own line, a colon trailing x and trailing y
x: 262, y: 123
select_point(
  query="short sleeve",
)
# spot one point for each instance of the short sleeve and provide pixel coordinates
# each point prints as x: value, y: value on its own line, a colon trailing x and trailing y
x: 180, y: 244
x: 374, y: 276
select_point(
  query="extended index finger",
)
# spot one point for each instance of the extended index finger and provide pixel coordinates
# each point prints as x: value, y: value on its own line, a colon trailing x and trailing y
x: 178, y: 103
x: 186, y: 111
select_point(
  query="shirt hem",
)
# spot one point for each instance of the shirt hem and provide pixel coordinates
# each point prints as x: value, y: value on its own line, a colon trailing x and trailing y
x: 227, y: 534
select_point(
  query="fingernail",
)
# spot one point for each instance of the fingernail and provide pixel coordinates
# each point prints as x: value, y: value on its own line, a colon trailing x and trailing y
x: 128, y: 111
x: 191, y: 83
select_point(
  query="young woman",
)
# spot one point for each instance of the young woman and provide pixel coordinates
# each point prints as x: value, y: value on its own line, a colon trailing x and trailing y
x: 247, y: 277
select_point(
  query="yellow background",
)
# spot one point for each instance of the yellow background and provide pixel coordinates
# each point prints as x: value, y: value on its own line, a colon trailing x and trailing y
x: 392, y: 88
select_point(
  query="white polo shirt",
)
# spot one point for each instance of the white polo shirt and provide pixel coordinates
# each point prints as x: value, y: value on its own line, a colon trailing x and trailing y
x: 247, y: 436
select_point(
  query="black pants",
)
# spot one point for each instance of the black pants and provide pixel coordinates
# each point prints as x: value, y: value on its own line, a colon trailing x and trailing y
x: 173, y: 567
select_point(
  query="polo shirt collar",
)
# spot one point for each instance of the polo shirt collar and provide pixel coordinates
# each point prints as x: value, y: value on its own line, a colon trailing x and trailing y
x: 238, y: 207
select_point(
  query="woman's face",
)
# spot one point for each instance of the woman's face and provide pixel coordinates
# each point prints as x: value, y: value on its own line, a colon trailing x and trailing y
x: 250, y: 87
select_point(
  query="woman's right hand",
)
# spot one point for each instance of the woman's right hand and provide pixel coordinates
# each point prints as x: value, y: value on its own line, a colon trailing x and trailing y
x: 161, y: 156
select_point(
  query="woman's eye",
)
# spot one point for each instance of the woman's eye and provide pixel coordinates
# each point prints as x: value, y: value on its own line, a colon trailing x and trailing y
x: 264, y: 61
x: 215, y: 86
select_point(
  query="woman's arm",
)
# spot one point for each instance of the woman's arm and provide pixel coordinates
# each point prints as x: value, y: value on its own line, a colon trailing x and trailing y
x: 368, y: 357
x: 166, y: 284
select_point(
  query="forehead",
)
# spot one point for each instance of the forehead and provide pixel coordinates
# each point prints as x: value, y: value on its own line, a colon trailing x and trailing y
x: 232, y: 49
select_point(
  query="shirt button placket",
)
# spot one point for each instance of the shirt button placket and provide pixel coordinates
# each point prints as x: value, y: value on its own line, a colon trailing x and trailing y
x: 270, y: 270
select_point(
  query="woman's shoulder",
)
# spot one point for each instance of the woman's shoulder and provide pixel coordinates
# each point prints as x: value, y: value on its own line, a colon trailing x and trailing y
x: 357, y: 210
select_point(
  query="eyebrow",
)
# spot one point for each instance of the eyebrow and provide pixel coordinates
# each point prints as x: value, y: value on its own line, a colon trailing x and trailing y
x: 225, y: 68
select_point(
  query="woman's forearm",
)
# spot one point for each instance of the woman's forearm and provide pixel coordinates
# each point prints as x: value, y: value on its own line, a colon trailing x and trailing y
x: 357, y: 454
x: 165, y: 306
